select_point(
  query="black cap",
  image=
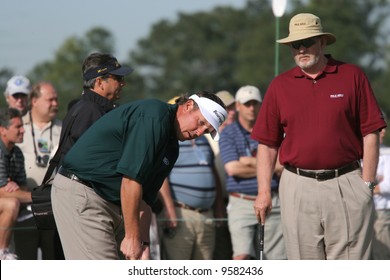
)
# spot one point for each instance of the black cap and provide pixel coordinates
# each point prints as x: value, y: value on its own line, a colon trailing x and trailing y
x: 111, y: 67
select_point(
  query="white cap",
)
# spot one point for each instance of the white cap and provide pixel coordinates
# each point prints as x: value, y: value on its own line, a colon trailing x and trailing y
x: 214, y: 113
x: 248, y: 93
x: 18, y: 84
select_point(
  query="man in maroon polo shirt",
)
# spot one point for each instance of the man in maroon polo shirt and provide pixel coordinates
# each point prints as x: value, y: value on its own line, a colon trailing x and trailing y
x: 322, y: 118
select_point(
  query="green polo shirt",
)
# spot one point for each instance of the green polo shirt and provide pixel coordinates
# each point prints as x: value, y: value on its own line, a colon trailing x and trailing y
x: 137, y: 140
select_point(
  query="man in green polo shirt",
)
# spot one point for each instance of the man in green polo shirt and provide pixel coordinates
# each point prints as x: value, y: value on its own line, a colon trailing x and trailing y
x: 110, y: 178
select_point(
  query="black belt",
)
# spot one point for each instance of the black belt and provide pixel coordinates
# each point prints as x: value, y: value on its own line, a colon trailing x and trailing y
x: 185, y: 206
x: 72, y: 176
x: 324, y: 175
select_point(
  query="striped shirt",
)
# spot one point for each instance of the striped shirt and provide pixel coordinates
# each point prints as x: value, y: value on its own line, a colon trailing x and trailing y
x: 11, y: 166
x: 192, y: 179
x: 235, y: 142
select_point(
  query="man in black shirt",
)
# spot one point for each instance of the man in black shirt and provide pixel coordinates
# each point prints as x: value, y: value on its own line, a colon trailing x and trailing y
x: 103, y: 79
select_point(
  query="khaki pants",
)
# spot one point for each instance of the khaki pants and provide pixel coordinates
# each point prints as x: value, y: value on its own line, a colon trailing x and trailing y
x: 194, y: 237
x: 90, y: 228
x: 330, y: 219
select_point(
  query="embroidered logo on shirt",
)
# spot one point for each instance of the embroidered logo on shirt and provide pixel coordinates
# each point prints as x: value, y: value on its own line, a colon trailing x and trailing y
x: 166, y: 161
x: 337, y: 95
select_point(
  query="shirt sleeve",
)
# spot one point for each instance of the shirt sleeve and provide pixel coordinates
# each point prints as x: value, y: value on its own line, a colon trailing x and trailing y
x: 370, y: 115
x: 268, y: 129
x: 227, y: 146
x: 3, y: 171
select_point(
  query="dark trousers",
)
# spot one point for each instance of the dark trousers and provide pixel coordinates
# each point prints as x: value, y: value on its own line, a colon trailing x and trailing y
x: 28, y: 239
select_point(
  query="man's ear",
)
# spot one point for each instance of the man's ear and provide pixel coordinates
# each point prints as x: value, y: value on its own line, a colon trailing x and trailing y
x: 189, y: 105
x: 2, y: 130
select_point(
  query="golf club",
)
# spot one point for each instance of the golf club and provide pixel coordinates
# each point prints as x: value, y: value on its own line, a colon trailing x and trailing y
x: 261, y: 240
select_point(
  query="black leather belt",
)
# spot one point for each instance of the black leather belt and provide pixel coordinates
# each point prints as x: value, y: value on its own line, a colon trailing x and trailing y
x: 185, y: 206
x: 72, y: 176
x: 324, y: 175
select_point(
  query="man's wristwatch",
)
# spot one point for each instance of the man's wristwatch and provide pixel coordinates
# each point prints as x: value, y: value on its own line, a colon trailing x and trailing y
x: 371, y: 185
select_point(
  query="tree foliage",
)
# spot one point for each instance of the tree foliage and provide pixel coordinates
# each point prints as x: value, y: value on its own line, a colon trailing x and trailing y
x: 64, y: 71
x: 226, y: 48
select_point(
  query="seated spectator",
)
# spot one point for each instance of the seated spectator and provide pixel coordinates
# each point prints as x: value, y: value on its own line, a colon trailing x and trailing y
x: 12, y: 176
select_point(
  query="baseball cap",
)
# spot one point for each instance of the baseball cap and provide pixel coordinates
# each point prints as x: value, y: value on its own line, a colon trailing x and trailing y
x: 214, y: 113
x: 248, y: 93
x: 111, y: 67
x: 226, y: 97
x: 18, y: 84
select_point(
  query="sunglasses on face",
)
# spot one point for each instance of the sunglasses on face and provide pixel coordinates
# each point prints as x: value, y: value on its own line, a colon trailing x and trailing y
x: 307, y: 43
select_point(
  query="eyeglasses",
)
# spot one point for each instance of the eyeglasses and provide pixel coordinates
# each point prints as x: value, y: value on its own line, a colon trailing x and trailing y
x: 307, y: 43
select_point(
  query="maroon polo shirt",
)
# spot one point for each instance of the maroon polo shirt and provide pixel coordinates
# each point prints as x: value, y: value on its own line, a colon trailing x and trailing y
x: 319, y: 123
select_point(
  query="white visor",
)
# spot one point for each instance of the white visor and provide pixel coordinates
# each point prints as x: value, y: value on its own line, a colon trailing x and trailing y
x: 214, y: 113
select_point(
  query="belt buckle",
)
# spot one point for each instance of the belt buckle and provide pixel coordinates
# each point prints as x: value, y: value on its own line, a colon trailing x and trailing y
x: 326, y: 175
x: 320, y: 176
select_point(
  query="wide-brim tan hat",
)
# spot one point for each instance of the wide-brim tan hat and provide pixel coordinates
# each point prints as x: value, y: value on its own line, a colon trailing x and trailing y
x: 303, y: 26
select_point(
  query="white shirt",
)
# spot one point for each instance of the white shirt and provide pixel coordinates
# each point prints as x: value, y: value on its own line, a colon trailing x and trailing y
x: 44, y: 146
x: 382, y: 200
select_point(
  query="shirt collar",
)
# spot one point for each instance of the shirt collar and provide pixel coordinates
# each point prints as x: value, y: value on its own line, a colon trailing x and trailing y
x: 331, y: 67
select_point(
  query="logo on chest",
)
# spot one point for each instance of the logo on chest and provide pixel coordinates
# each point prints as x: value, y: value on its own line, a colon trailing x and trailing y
x: 337, y: 95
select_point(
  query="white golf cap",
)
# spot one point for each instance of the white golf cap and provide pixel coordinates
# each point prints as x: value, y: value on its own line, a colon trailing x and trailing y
x: 214, y: 113
x: 18, y: 84
x: 248, y: 93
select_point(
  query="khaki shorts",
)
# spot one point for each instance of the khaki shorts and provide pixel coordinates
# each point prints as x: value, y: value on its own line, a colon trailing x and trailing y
x: 242, y: 226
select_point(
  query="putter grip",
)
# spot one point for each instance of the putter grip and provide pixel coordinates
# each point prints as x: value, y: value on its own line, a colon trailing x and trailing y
x: 261, y: 237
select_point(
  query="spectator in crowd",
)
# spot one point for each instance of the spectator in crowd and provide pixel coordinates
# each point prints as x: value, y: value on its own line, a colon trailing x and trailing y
x: 229, y: 101
x: 238, y: 153
x: 103, y: 79
x: 322, y: 118
x: 116, y: 169
x: 223, y: 244
x: 381, y: 242
x: 12, y: 176
x: 41, y: 137
x: 192, y: 196
x: 17, y: 92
